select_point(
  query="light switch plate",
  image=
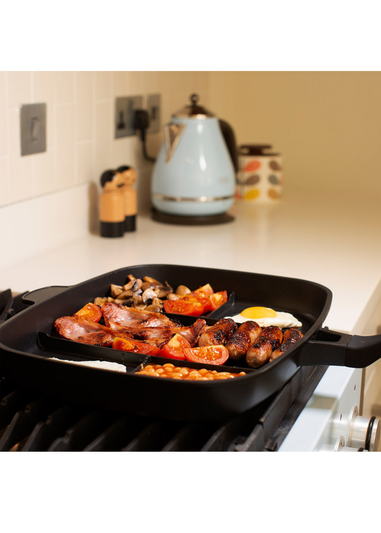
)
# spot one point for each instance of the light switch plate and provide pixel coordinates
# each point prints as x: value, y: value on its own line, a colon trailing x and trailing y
x: 153, y: 108
x: 124, y: 115
x: 33, y: 128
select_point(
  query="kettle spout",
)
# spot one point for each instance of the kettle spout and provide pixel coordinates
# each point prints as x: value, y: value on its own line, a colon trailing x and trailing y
x: 172, y: 135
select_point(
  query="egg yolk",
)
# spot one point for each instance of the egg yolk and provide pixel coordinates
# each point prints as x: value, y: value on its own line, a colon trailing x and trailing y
x: 258, y: 312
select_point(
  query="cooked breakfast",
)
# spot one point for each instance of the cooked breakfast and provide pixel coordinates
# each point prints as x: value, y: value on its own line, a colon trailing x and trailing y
x: 85, y: 331
x: 241, y: 340
x: 152, y: 295
x: 220, y: 333
x: 265, y: 316
x: 139, y: 318
x: 170, y: 371
x: 154, y: 333
x: 290, y: 337
x: 260, y: 352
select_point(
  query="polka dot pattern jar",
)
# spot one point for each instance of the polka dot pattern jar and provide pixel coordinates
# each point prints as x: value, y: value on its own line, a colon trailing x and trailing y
x: 260, y: 175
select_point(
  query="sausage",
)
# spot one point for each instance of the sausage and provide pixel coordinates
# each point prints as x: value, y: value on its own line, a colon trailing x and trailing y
x: 290, y: 337
x: 270, y: 339
x: 220, y: 333
x: 242, y: 339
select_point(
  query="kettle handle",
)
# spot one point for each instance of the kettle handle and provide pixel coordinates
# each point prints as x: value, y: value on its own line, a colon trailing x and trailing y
x: 229, y: 138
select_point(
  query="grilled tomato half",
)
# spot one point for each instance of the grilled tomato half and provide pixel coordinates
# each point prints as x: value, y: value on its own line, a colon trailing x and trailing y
x: 134, y: 346
x: 90, y: 312
x: 175, y: 347
x: 212, y: 355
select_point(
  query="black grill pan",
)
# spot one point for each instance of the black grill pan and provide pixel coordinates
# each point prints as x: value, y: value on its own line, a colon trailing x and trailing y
x: 27, y: 345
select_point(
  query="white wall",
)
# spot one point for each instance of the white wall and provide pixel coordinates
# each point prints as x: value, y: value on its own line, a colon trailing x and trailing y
x: 80, y: 135
x: 327, y: 125
x: 50, y: 198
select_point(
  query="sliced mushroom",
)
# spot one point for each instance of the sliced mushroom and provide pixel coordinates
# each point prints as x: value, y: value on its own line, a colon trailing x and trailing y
x: 115, y: 290
x: 121, y: 302
x: 162, y: 292
x: 158, y: 302
x: 100, y: 301
x: 153, y: 308
x: 128, y: 302
x: 134, y: 285
x: 148, y: 294
x: 141, y: 306
x: 172, y: 296
x: 151, y: 280
x: 137, y: 299
x: 182, y: 290
x: 151, y: 285
x: 125, y: 294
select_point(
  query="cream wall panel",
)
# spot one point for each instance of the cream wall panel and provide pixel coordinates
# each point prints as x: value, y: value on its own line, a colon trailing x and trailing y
x: 64, y: 87
x: 20, y: 178
x: 134, y: 83
x: 327, y: 125
x: 123, y: 152
x: 3, y: 116
x: 103, y: 136
x: 80, y: 113
x: 85, y: 163
x: 43, y: 91
x: 65, y: 164
x: 80, y: 146
x: 103, y: 85
x: 120, y: 83
x: 19, y: 89
x: 4, y: 193
x: 151, y: 82
x: 44, y: 173
x: 85, y: 106
x: 42, y: 224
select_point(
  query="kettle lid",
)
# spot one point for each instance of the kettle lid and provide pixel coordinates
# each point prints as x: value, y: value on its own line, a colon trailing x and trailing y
x: 193, y: 110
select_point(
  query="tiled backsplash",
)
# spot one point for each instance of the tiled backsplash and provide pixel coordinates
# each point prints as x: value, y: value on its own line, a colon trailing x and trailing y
x: 80, y: 118
x: 49, y: 199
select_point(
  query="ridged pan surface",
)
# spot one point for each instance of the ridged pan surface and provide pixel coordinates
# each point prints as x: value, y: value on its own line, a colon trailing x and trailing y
x: 24, y: 361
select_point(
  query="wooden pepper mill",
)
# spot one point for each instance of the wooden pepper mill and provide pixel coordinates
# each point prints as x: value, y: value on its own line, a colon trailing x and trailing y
x: 111, y: 205
x: 127, y: 176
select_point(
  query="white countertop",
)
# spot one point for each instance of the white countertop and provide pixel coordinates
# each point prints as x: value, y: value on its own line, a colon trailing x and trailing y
x: 330, y: 239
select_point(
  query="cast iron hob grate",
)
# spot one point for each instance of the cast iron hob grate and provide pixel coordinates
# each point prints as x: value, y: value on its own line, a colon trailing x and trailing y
x: 32, y: 423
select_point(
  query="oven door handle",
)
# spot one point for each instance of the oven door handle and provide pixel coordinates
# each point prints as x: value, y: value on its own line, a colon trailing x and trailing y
x: 340, y: 349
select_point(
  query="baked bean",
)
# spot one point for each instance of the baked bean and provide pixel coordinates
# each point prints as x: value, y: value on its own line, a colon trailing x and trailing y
x: 171, y: 371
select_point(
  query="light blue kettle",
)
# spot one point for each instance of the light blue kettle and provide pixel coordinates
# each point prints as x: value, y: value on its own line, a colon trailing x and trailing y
x: 195, y: 171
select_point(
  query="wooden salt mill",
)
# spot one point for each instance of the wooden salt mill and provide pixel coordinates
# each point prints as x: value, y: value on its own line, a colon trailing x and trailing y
x: 127, y: 176
x: 111, y: 205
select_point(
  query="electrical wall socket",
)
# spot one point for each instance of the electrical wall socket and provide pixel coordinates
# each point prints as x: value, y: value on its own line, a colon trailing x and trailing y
x: 124, y: 115
x: 33, y: 128
x: 154, y: 109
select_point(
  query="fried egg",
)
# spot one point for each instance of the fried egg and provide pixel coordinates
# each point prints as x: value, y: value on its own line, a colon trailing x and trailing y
x: 264, y: 316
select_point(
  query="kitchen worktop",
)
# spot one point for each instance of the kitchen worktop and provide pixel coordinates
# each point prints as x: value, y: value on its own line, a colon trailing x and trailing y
x: 330, y: 239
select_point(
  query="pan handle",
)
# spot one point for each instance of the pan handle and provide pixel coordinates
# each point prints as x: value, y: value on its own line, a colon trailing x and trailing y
x: 40, y: 295
x: 340, y: 349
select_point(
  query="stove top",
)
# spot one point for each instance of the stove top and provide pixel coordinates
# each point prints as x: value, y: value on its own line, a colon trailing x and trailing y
x: 32, y: 422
